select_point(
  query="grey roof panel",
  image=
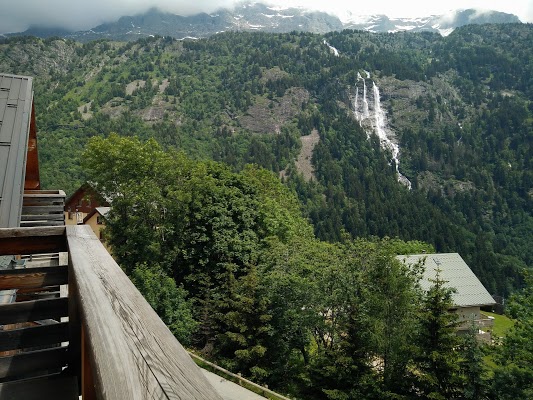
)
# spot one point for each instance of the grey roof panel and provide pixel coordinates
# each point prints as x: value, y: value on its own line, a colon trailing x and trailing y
x: 16, y: 100
x: 456, y: 273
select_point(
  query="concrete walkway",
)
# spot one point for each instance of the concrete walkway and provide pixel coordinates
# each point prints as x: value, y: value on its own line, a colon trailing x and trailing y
x: 229, y: 390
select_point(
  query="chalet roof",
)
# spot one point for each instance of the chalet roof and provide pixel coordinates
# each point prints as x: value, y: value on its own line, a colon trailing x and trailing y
x: 87, y: 188
x: 456, y: 273
x: 103, y: 211
x: 16, y: 100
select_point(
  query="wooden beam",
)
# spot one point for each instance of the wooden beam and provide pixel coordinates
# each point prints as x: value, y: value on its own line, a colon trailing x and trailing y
x: 132, y: 353
x: 34, y: 336
x: 35, y: 310
x: 24, y: 278
x: 31, y: 232
x: 32, y: 240
x: 22, y: 364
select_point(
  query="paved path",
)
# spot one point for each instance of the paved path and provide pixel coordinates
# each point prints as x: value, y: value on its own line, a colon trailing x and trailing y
x: 229, y: 390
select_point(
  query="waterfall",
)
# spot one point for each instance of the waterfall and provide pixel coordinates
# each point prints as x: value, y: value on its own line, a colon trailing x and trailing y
x: 375, y: 121
x: 331, y: 48
x: 366, y: 112
x: 356, y: 104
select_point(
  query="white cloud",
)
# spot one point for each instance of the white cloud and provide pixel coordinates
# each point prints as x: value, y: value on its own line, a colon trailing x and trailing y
x: 18, y: 15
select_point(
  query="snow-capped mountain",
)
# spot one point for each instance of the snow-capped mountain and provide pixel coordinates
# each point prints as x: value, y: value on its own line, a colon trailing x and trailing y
x: 261, y: 17
x: 247, y: 17
x: 444, y: 24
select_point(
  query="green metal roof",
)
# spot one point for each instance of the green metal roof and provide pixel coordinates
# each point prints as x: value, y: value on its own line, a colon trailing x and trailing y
x: 16, y: 98
x: 456, y: 273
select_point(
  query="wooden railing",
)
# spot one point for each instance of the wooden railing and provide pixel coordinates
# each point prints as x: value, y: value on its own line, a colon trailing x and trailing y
x: 43, y: 208
x: 118, y: 348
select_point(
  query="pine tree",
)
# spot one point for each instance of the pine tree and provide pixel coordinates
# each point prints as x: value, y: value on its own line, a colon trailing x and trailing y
x: 437, y: 362
x: 472, y: 366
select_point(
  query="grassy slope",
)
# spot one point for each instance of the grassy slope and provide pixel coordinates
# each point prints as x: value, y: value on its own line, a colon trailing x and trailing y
x: 501, y: 324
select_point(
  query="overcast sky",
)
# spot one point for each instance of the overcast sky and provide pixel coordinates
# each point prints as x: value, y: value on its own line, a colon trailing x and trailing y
x: 18, y: 15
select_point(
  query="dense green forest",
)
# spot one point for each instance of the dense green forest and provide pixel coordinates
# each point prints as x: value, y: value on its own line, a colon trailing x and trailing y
x: 236, y: 272
x: 287, y: 276
x: 460, y: 108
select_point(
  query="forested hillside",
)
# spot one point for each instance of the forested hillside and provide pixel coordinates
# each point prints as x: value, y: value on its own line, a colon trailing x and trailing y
x: 459, y: 108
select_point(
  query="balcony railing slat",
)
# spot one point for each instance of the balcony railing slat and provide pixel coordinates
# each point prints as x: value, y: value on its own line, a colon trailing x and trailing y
x: 41, y: 208
x: 35, y: 310
x: 28, y: 210
x: 34, y: 233
x: 34, y: 336
x: 31, y: 222
x: 50, y: 239
x: 133, y: 354
x: 47, y: 217
x: 46, y: 388
x: 22, y: 364
x: 33, y: 277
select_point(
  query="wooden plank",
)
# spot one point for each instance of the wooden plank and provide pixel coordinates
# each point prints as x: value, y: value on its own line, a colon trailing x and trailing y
x: 46, y: 198
x: 42, y: 203
x: 41, y: 209
x: 33, y: 310
x: 43, y: 262
x: 42, y: 200
x: 24, y: 278
x: 39, y: 193
x: 125, y: 334
x: 33, y: 336
x: 31, y: 232
x: 31, y: 244
x: 55, y: 387
x: 41, y: 223
x: 37, y: 296
x: 47, y: 217
x: 38, y: 290
x: 32, y: 362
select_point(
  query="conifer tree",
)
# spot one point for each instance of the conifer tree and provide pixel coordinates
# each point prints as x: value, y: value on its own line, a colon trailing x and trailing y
x: 437, y: 361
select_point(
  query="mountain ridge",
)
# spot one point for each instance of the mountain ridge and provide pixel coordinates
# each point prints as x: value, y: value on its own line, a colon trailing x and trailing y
x: 260, y: 17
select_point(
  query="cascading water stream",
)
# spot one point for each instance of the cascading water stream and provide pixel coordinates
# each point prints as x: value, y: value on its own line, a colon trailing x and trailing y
x: 366, y: 112
x: 356, y: 104
x: 377, y: 123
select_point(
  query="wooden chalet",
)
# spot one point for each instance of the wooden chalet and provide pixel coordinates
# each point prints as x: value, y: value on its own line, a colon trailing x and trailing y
x: 71, y: 322
x: 469, y: 296
x: 81, y: 203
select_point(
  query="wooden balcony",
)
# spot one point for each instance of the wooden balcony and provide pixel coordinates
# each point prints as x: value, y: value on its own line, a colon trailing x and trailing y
x: 78, y: 326
x: 43, y: 208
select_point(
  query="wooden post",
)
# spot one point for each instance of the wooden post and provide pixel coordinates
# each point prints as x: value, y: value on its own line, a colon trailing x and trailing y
x: 75, y: 340
x: 88, y: 391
